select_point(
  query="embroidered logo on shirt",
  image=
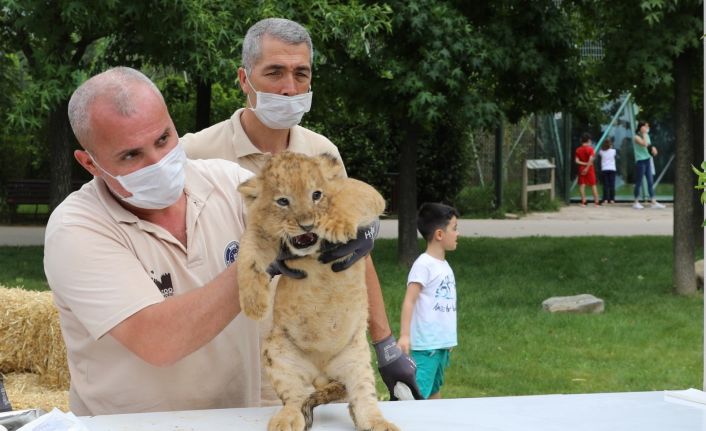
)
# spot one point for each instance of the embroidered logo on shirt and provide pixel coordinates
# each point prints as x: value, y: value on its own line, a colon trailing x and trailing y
x: 165, y: 285
x: 231, y: 252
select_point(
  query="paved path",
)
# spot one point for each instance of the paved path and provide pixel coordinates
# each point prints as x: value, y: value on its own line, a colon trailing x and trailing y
x: 21, y: 235
x: 573, y: 220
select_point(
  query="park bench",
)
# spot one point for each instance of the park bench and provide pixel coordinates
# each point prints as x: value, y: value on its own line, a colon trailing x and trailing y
x: 29, y: 192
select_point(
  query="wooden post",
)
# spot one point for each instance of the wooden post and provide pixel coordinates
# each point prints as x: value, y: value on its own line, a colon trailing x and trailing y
x: 524, y: 186
x: 552, y: 174
x: 499, y: 165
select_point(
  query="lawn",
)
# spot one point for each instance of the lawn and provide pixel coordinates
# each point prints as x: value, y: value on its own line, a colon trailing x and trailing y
x: 647, y: 338
x: 22, y: 266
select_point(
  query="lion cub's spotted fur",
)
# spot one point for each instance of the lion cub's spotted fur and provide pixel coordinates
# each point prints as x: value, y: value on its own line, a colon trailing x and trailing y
x: 317, y: 350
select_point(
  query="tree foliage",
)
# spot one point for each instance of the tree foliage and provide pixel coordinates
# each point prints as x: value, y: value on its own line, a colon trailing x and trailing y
x: 447, y: 67
x: 655, y: 46
x: 641, y: 40
x: 54, y: 42
x: 60, y: 44
x: 398, y: 85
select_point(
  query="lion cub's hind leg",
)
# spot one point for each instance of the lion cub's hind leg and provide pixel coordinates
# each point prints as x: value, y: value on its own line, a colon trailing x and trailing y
x: 291, y: 375
x: 293, y: 394
x: 287, y: 419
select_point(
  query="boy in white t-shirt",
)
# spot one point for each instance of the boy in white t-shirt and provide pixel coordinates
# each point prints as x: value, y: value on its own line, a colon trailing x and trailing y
x: 428, y: 321
x: 608, y: 170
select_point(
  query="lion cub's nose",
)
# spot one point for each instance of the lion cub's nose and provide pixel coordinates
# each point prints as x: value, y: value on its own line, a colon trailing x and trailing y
x: 306, y: 227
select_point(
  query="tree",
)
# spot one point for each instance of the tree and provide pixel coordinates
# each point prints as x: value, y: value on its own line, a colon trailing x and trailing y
x: 457, y: 65
x: 657, y: 44
x: 52, y: 39
x: 63, y: 43
x: 18, y: 154
x: 198, y: 38
x: 425, y: 78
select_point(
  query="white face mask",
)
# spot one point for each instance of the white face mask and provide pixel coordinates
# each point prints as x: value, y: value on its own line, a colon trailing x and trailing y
x: 280, y: 112
x: 156, y: 186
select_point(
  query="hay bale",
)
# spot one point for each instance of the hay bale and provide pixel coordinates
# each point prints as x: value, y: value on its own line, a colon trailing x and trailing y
x: 30, y: 337
x: 25, y: 391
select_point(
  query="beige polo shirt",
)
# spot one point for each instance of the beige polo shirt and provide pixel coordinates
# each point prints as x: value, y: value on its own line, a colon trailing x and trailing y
x: 104, y: 264
x: 227, y: 140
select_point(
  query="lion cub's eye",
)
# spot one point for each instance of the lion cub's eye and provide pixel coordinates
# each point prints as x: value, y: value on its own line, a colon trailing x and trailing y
x: 316, y: 195
x: 283, y: 202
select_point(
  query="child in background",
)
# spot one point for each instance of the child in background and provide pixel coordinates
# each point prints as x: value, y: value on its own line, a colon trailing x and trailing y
x: 608, y: 170
x: 586, y: 172
x: 428, y: 321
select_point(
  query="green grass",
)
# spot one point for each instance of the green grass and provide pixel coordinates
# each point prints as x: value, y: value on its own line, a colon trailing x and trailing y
x: 39, y: 209
x: 23, y: 267
x: 25, y: 214
x: 647, y: 338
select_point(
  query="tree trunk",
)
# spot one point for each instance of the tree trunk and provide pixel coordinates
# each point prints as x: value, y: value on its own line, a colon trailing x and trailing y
x: 683, y: 275
x: 698, y: 143
x: 407, y: 245
x: 499, y: 166
x: 568, y: 157
x: 203, y: 105
x: 60, y: 137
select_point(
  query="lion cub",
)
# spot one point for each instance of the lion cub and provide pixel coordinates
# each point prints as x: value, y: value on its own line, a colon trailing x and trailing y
x: 317, y: 350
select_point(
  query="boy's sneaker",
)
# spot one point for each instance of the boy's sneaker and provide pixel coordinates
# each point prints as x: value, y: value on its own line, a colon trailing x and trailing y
x: 637, y: 206
x: 657, y: 206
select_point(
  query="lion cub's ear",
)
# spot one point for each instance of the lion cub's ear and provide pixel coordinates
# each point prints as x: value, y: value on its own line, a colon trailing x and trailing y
x: 250, y: 189
x: 331, y: 167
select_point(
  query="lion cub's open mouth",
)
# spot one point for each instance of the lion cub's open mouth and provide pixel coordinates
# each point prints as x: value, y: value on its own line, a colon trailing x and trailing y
x: 304, y: 240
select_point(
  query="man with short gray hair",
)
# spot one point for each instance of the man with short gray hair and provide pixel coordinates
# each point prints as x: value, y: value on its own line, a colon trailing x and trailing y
x: 276, y: 72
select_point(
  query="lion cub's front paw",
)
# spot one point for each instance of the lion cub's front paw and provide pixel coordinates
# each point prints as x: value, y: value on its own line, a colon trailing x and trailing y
x: 255, y: 296
x: 337, y: 230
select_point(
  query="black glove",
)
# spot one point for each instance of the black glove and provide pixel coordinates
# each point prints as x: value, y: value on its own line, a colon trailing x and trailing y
x: 354, y: 249
x: 396, y: 367
x: 279, y: 266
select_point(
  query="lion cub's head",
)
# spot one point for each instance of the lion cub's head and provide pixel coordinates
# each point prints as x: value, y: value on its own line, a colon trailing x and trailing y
x: 289, y: 195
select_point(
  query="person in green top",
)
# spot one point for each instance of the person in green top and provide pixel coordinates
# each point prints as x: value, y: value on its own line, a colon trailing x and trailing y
x: 643, y: 167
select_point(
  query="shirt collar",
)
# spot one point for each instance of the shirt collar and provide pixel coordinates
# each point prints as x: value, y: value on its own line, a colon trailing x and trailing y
x: 241, y: 142
x: 243, y: 146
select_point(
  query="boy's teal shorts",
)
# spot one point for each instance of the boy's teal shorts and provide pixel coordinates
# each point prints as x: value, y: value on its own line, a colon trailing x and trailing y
x: 430, y: 369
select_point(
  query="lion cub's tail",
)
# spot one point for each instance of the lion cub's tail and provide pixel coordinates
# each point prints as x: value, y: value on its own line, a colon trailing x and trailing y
x: 332, y: 391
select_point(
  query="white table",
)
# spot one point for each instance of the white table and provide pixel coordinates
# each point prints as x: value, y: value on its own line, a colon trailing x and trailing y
x: 638, y: 411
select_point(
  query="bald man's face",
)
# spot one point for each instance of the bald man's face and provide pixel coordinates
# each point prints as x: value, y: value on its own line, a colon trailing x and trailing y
x: 123, y: 144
